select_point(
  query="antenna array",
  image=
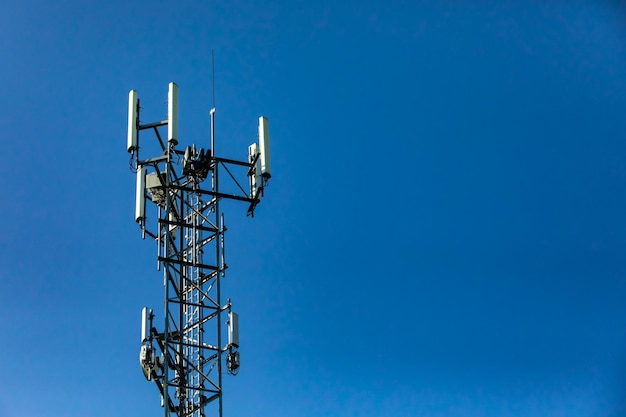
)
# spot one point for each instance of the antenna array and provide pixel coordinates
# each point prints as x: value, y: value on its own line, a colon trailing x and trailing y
x: 186, y: 358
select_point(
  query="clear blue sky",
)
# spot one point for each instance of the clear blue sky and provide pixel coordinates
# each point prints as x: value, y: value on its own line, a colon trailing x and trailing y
x: 444, y: 234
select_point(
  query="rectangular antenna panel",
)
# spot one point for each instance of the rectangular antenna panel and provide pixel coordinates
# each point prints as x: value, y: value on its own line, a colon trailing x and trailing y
x: 255, y: 178
x: 145, y: 324
x: 264, y: 144
x: 140, y: 202
x: 233, y: 329
x: 132, y: 120
x: 172, y: 114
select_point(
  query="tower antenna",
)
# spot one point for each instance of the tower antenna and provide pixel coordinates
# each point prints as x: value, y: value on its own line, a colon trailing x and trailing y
x: 186, y: 358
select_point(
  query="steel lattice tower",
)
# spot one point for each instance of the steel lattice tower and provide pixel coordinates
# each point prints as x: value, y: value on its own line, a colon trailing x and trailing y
x: 184, y: 187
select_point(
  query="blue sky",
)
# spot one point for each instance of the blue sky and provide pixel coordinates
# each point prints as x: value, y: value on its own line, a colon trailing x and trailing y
x: 443, y: 235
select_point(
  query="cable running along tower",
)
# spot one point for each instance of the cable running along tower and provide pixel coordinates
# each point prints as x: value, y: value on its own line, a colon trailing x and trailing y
x: 200, y: 333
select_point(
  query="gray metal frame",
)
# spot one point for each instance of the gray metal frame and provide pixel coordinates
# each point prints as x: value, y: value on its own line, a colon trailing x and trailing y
x: 190, y: 250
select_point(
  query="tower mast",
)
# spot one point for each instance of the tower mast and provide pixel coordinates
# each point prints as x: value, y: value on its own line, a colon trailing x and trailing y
x: 186, y: 358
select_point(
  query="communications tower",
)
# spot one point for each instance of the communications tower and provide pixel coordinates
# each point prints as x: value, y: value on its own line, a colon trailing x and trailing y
x: 200, y: 332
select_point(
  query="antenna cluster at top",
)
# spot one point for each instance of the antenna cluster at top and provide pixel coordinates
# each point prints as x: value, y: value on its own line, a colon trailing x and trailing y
x: 197, y: 162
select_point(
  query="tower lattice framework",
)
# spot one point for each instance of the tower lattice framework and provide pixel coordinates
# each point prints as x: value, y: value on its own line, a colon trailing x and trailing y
x: 200, y: 331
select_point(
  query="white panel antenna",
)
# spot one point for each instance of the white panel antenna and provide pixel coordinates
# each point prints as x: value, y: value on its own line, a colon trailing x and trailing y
x: 264, y: 144
x: 145, y: 324
x: 255, y: 174
x: 233, y: 329
x: 140, y: 202
x: 132, y: 120
x: 172, y: 114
